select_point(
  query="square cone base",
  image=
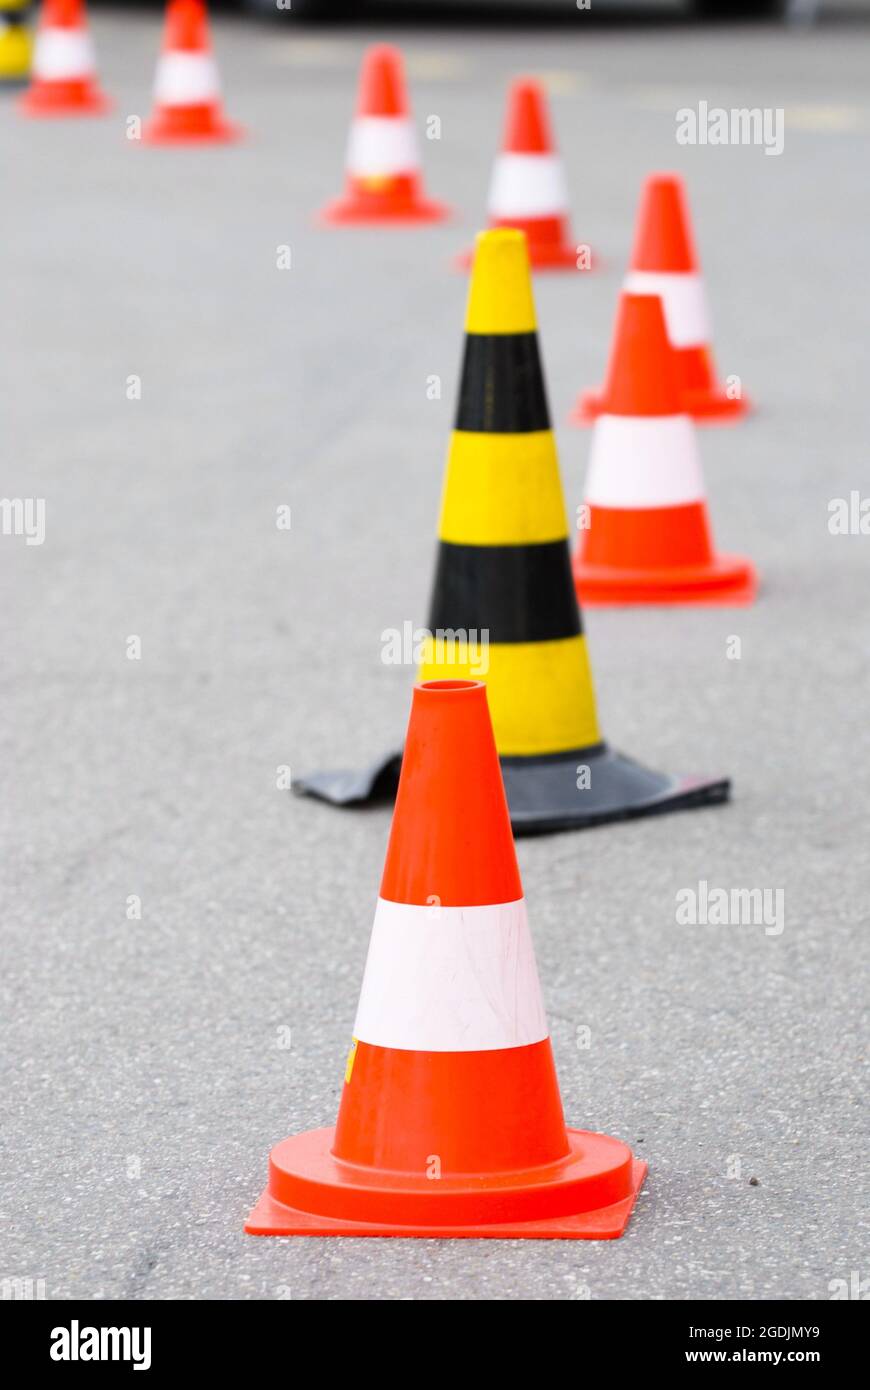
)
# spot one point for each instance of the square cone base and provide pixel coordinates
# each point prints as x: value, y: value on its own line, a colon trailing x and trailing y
x: 715, y: 408
x: 542, y: 792
x: 60, y: 100
x: 13, y: 79
x: 705, y: 408
x: 726, y: 581
x: 352, y: 212
x: 589, y: 1195
x: 544, y: 796
x: 190, y: 126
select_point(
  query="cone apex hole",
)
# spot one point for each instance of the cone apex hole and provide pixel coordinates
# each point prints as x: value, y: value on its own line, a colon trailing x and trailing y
x: 454, y: 687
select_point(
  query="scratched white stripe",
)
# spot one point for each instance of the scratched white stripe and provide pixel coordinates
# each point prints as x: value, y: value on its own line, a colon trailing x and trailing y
x: 450, y: 979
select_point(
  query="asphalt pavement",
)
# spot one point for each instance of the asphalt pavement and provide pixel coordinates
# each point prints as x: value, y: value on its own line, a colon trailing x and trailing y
x: 146, y: 1065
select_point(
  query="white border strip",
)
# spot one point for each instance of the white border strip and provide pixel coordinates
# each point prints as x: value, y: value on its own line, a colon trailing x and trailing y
x: 643, y: 461
x: 63, y: 55
x: 527, y: 185
x: 381, y: 145
x: 450, y: 979
x: 186, y: 79
x: 684, y: 300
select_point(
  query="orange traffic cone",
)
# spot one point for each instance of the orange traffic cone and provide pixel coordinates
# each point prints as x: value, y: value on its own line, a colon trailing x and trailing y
x: 384, y: 182
x: 664, y: 262
x: 187, y: 97
x: 648, y: 537
x: 450, y: 1122
x: 64, y: 81
x: 528, y: 185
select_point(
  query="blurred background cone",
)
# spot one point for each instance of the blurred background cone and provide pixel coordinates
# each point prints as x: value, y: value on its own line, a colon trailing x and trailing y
x: 187, y: 95
x: 450, y: 1121
x: 16, y: 45
x: 503, y: 605
x: 664, y: 262
x: 383, y: 179
x: 648, y: 536
x: 528, y: 189
x: 64, y: 77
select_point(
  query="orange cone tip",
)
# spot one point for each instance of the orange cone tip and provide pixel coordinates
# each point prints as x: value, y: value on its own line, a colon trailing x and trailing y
x: 187, y: 96
x: 450, y: 1121
x: 664, y: 262
x: 528, y: 190
x: 64, y: 74
x: 383, y: 177
x: 648, y: 537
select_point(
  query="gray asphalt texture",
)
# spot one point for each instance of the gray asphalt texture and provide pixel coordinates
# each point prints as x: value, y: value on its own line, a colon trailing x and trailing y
x: 143, y: 1073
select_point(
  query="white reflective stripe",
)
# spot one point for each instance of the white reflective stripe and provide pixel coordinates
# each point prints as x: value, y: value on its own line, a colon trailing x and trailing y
x: 186, y: 79
x: 450, y: 979
x: 641, y: 461
x: 527, y: 185
x: 685, y: 303
x: 381, y: 145
x: 63, y: 55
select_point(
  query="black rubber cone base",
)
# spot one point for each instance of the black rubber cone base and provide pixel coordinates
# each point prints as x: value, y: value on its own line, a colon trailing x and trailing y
x: 374, y: 784
x: 558, y: 791
x: 589, y: 786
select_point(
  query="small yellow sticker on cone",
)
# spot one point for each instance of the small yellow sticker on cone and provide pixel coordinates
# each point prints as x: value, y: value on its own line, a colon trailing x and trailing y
x: 348, y: 1070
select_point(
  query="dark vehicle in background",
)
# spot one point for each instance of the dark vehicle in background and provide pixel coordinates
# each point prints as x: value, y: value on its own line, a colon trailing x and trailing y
x: 324, y: 10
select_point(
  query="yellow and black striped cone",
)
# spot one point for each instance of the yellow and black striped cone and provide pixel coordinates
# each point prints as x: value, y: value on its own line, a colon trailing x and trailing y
x: 503, y: 604
x: 16, y: 44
